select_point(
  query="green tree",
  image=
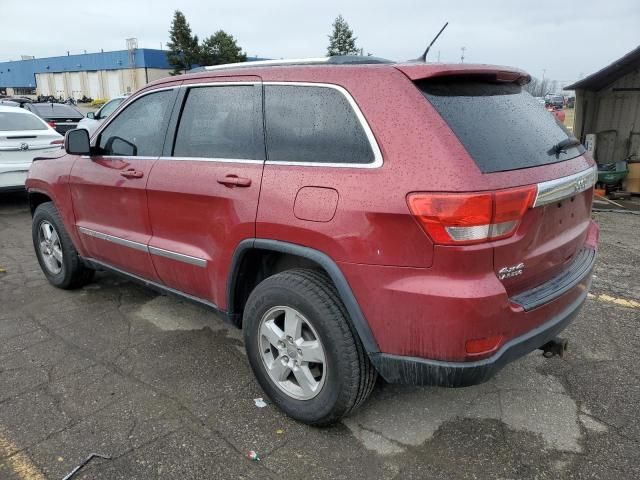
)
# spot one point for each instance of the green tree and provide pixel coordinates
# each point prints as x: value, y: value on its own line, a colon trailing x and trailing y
x: 221, y: 48
x: 183, y: 47
x: 341, y: 40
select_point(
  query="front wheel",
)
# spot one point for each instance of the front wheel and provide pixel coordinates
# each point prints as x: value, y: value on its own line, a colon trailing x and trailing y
x: 56, y: 254
x: 302, y: 349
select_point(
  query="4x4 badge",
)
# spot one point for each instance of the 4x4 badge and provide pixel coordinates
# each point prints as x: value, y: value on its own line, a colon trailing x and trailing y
x: 510, y: 272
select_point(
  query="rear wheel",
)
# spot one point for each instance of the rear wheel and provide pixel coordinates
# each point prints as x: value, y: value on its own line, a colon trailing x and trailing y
x: 56, y: 254
x: 302, y: 349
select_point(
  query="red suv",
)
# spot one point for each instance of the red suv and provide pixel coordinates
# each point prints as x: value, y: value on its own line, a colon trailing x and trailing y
x: 425, y: 223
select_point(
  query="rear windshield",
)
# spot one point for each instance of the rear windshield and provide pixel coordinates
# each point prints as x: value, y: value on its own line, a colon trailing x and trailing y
x: 56, y: 110
x: 501, y: 126
x: 13, y: 122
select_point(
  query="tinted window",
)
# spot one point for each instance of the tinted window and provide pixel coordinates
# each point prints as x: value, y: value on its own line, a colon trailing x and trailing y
x: 501, y: 126
x: 313, y: 124
x: 12, y: 122
x: 221, y: 122
x: 140, y: 128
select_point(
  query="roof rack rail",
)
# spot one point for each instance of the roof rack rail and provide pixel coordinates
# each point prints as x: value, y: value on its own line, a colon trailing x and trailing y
x: 334, y: 60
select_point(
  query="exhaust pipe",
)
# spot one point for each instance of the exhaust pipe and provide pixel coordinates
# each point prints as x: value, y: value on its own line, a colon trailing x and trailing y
x: 554, y: 347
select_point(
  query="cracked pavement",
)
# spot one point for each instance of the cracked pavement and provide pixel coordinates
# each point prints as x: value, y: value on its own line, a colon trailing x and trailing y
x: 164, y: 388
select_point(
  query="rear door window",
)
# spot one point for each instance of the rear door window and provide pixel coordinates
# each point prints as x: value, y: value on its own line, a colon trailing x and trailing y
x: 223, y: 122
x: 313, y: 125
x: 501, y: 126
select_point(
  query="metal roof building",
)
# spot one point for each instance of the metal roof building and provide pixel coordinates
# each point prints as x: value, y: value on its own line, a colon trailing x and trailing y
x: 608, y: 105
x: 96, y: 75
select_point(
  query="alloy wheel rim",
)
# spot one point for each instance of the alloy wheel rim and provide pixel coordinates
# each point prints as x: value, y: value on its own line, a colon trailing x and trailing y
x: 292, y: 353
x: 50, y: 247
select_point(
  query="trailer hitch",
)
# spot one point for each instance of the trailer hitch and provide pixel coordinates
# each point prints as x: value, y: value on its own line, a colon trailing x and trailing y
x: 554, y: 347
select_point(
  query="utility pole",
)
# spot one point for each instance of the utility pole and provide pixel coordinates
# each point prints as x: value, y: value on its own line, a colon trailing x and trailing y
x: 462, y: 54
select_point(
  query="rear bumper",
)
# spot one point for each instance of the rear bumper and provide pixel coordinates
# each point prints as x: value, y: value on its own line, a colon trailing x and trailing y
x: 420, y: 371
x: 13, y: 176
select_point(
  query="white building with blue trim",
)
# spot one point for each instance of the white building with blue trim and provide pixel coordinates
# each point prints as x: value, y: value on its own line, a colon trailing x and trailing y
x: 94, y: 75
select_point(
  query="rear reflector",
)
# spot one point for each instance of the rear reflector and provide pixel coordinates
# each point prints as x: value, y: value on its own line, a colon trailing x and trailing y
x: 468, y: 218
x: 478, y: 346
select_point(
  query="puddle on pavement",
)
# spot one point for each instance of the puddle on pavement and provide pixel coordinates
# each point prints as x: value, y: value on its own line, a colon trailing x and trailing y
x: 398, y: 416
x: 170, y: 314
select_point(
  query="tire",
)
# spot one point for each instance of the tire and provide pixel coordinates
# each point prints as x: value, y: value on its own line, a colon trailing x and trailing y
x: 342, y: 382
x: 67, y: 272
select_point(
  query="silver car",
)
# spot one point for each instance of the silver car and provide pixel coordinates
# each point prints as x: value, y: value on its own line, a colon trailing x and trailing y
x: 93, y: 119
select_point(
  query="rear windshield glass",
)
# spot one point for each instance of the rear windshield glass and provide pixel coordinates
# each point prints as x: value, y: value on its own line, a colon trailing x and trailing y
x: 13, y: 122
x: 56, y: 110
x: 501, y: 126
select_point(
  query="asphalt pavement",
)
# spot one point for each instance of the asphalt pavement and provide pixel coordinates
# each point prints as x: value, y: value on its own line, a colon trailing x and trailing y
x: 164, y: 389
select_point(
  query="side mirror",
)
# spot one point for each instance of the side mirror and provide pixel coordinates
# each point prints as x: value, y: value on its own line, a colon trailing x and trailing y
x: 76, y: 142
x: 91, y: 115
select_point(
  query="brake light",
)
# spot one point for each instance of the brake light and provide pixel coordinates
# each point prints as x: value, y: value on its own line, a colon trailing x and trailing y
x: 468, y: 218
x: 52, y: 124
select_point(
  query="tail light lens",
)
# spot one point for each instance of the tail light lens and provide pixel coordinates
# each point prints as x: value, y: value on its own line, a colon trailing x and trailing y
x: 468, y: 218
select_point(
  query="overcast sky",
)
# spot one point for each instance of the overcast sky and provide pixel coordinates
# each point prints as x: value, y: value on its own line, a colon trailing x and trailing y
x: 565, y: 38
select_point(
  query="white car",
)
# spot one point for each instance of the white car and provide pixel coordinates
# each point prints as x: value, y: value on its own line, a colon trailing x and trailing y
x: 93, y: 119
x: 23, y: 135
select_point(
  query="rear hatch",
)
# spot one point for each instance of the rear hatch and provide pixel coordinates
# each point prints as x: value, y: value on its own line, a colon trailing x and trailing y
x: 61, y: 117
x: 24, y: 136
x: 504, y: 129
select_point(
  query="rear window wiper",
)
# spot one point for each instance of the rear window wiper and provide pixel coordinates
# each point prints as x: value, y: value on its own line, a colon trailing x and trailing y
x: 561, y: 147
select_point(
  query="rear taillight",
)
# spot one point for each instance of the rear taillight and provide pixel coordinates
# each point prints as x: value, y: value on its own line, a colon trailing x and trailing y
x: 52, y: 124
x: 468, y: 218
x: 58, y: 142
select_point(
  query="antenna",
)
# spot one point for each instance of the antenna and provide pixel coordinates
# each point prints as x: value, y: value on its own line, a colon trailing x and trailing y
x: 423, y: 57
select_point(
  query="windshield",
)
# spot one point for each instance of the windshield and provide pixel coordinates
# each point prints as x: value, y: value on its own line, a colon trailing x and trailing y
x: 110, y: 107
x: 501, y: 126
x: 13, y: 122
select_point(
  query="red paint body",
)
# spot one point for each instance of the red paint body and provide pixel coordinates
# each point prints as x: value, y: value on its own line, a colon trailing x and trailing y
x: 419, y: 299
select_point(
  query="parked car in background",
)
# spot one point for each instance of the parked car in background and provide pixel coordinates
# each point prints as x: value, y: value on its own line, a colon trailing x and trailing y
x: 93, y: 119
x: 20, y: 100
x: 61, y: 117
x: 9, y: 103
x: 23, y: 136
x: 555, y: 100
x: 353, y: 220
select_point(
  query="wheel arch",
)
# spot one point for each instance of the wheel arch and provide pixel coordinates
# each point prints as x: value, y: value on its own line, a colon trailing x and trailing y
x: 247, y: 265
x: 37, y: 197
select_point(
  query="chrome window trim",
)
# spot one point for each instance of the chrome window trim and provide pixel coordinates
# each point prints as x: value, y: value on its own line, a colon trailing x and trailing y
x: 134, y: 99
x: 212, y: 159
x: 565, y: 187
x: 181, y: 257
x: 377, y: 153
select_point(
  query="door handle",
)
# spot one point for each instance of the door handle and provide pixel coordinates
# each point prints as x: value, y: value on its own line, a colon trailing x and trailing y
x: 131, y: 173
x: 235, y: 181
